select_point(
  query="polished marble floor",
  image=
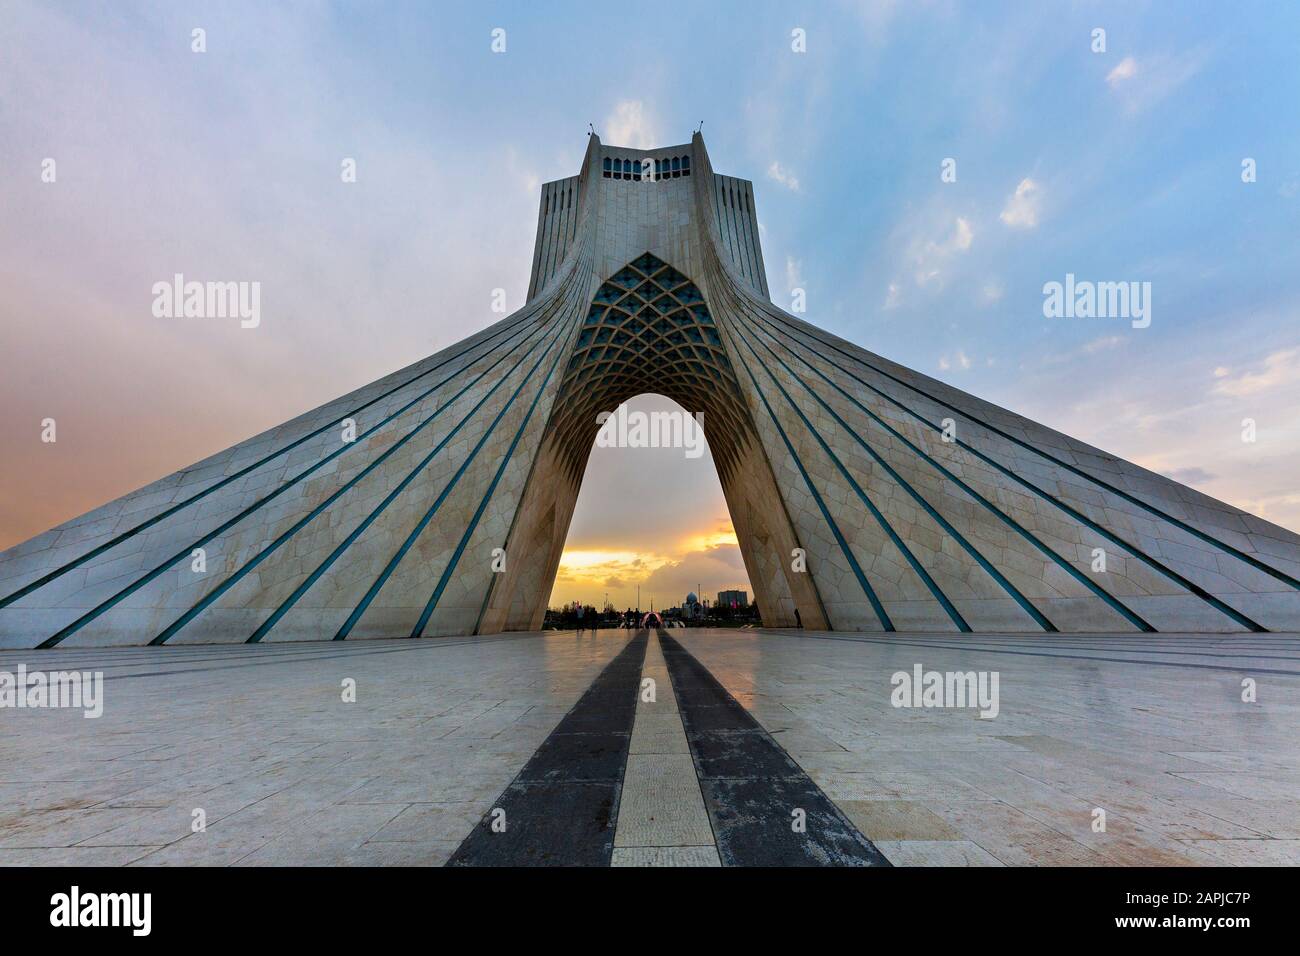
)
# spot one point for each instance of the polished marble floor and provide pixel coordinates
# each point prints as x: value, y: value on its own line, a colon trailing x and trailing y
x: 1150, y: 729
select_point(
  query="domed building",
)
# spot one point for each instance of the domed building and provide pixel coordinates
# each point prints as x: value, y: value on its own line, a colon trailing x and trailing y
x: 692, y: 608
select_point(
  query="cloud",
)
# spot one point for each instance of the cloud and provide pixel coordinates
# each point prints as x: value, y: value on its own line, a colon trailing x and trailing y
x: 893, y: 296
x: 1280, y: 368
x: 1022, y: 209
x: 779, y: 174
x: 958, y: 360
x: 875, y: 17
x: 1140, y: 87
x: 631, y: 125
x: 710, y: 570
x: 1167, y: 409
x: 284, y: 97
x: 1087, y: 350
x: 1190, y: 476
x: 523, y: 172
x: 931, y: 257
x: 1102, y: 344
x: 793, y: 273
x: 962, y: 235
x: 1126, y: 70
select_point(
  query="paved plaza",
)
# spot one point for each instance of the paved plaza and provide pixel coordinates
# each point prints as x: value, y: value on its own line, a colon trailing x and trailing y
x: 741, y: 732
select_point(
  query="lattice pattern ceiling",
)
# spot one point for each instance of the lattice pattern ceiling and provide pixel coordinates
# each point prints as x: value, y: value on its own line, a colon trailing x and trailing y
x: 649, y: 330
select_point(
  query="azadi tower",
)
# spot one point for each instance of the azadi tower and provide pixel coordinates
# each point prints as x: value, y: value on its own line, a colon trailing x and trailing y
x: 865, y: 496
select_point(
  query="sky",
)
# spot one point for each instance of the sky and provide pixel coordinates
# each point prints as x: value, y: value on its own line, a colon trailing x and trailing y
x: 1117, y: 165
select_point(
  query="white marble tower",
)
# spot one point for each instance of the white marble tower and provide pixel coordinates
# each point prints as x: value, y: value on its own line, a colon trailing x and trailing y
x: 865, y: 496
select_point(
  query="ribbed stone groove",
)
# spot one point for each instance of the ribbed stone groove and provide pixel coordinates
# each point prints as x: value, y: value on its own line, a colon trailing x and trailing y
x: 650, y: 285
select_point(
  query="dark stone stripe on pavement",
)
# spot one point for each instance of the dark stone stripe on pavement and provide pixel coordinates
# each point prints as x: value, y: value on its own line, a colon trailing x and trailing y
x: 562, y: 808
x: 751, y: 786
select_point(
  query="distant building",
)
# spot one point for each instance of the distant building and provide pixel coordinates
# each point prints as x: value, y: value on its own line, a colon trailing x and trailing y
x: 692, y: 608
x: 733, y: 599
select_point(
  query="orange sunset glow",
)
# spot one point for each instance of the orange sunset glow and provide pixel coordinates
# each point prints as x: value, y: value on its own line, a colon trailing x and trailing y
x: 649, y: 517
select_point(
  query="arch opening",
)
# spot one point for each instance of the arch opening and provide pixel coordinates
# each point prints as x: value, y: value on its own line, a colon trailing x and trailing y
x: 649, y: 330
x: 651, y: 522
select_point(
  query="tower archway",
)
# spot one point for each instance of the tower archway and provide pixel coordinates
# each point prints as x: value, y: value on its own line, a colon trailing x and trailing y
x: 648, y: 329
